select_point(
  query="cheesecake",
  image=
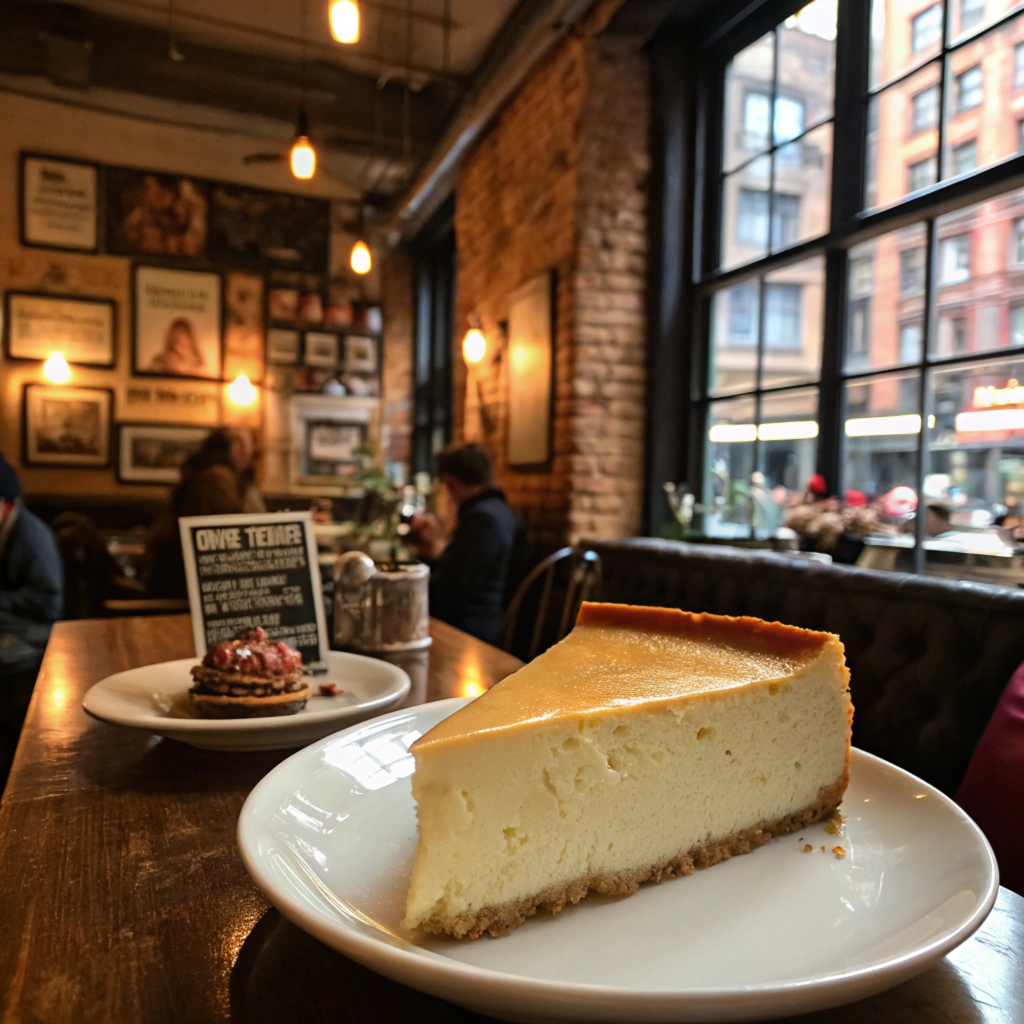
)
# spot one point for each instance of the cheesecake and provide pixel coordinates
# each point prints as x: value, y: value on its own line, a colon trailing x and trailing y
x: 648, y: 743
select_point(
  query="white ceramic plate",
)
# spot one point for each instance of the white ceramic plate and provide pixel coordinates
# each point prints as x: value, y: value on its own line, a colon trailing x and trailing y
x: 329, y: 836
x: 154, y: 698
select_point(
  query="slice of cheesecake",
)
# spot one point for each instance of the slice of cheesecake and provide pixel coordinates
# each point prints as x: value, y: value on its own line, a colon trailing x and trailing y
x: 647, y: 743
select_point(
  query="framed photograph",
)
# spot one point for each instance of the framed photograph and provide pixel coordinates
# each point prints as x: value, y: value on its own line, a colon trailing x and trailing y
x: 360, y: 354
x: 65, y: 426
x: 177, y: 323
x: 336, y: 443
x: 283, y: 305
x: 154, y: 454
x: 152, y: 214
x: 243, y: 325
x: 321, y: 349
x: 283, y: 346
x: 311, y: 309
x: 59, y: 203
x: 83, y: 330
x: 531, y: 372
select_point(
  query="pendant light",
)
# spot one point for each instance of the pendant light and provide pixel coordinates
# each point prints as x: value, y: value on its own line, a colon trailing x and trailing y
x: 361, y: 261
x: 344, y: 18
x: 302, y: 156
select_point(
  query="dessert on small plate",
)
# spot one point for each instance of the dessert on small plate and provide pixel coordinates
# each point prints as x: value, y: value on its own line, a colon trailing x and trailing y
x: 161, y: 699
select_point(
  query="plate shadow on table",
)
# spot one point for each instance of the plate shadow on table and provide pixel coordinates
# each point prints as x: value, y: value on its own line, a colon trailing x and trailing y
x: 283, y: 974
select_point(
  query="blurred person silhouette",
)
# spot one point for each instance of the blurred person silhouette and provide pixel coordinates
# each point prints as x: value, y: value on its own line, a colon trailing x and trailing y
x: 31, y: 600
x: 217, y: 480
x: 474, y: 559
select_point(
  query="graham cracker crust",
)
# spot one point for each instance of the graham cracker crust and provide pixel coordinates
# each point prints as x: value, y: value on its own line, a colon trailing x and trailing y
x: 500, y: 920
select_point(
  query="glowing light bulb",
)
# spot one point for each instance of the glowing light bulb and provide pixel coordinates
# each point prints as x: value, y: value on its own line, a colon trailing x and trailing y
x: 474, y: 345
x: 303, y: 158
x: 241, y: 391
x: 361, y: 261
x: 56, y: 369
x: 344, y: 16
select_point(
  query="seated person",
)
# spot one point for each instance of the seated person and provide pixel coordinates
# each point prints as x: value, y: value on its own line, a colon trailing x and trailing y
x: 470, y: 568
x: 31, y: 600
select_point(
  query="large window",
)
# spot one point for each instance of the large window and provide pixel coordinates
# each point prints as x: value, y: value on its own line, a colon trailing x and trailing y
x: 869, y: 328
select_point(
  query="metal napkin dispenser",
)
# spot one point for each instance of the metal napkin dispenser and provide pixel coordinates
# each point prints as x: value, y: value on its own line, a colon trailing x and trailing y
x: 380, y: 608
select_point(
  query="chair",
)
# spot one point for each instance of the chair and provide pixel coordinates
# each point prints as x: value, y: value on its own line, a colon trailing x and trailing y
x: 583, y: 571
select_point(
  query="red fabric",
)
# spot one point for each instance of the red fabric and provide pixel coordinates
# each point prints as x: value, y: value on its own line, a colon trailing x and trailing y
x: 992, y: 792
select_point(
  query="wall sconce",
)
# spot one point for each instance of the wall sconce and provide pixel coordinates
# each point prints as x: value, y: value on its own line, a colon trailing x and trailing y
x: 474, y: 346
x: 56, y: 369
x: 241, y: 391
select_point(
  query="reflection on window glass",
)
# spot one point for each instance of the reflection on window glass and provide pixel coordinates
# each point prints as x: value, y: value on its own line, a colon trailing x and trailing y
x: 885, y: 301
x: 793, y: 323
x: 976, y: 440
x: 734, y: 327
x: 881, y: 425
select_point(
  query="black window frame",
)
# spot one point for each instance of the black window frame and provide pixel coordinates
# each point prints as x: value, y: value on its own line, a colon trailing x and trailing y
x: 849, y: 225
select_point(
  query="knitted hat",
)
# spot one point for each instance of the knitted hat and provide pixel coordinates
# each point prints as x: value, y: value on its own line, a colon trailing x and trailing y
x: 10, y: 489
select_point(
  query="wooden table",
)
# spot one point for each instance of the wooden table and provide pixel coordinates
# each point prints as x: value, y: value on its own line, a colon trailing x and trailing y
x: 123, y: 898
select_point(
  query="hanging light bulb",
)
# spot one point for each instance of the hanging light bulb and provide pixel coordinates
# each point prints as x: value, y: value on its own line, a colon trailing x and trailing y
x: 241, y: 391
x: 361, y: 261
x: 474, y: 345
x: 56, y: 369
x: 344, y: 16
x: 303, y: 156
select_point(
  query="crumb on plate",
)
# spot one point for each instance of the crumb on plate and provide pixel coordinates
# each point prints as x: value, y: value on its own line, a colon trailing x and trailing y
x: 330, y: 690
x: 808, y: 848
x: 839, y: 852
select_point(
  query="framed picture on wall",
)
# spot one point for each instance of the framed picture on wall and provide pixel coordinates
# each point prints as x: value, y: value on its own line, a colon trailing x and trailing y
x: 65, y: 426
x: 154, y: 454
x: 321, y: 349
x: 531, y: 372
x: 332, y: 448
x: 151, y: 214
x: 283, y: 346
x: 59, y: 203
x: 177, y: 325
x: 360, y: 354
x: 243, y: 325
x: 82, y: 330
x: 283, y: 305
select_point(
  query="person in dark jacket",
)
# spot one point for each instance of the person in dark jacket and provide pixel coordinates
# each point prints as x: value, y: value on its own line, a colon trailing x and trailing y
x: 31, y: 600
x: 470, y: 568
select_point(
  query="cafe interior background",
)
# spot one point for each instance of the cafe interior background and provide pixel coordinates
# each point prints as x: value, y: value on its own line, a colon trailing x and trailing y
x: 533, y: 226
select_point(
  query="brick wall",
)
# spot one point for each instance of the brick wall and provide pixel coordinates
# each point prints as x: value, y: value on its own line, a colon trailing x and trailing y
x: 560, y: 182
x: 397, y: 356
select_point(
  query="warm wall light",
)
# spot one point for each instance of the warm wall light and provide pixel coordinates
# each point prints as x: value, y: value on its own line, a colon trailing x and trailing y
x: 241, y: 391
x: 56, y: 369
x: 303, y: 158
x: 344, y: 15
x: 474, y: 345
x: 361, y: 261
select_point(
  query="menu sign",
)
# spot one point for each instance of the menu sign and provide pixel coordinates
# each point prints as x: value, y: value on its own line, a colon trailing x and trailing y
x: 58, y: 203
x: 255, y: 570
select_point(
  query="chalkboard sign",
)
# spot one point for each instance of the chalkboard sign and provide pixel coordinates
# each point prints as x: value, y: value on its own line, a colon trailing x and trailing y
x: 255, y: 570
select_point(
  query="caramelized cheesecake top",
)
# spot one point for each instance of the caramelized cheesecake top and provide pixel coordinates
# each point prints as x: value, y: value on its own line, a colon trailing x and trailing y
x: 254, y: 654
x: 620, y: 656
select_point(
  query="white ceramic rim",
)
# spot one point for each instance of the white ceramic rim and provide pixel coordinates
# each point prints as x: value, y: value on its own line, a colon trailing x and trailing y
x: 431, y: 972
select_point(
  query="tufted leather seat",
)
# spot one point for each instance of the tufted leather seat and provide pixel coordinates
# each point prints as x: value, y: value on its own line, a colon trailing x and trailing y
x: 928, y: 657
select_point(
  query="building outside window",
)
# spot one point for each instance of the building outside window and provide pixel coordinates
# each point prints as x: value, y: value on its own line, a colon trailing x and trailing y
x: 922, y: 173
x: 970, y: 89
x: 757, y: 111
x: 955, y: 259
x: 926, y: 28
x: 965, y: 157
x: 912, y: 268
x: 1017, y: 242
x: 972, y: 13
x: 752, y: 218
x: 924, y: 110
x: 1018, y: 65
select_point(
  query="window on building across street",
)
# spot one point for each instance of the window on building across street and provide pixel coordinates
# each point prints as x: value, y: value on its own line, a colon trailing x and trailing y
x: 924, y: 357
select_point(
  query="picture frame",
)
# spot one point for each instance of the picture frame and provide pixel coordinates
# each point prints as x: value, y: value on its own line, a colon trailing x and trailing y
x: 153, y: 453
x: 360, y: 354
x: 333, y: 447
x: 66, y: 426
x: 244, y: 325
x: 283, y: 305
x: 58, y: 203
x: 284, y: 346
x: 149, y: 213
x: 177, y: 326
x: 83, y: 330
x: 321, y: 348
x: 531, y: 373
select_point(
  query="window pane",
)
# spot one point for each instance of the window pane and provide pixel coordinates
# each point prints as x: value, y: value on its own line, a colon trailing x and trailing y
x: 745, y: 213
x: 903, y: 35
x: 734, y: 325
x: 807, y: 54
x: 976, y: 441
x: 731, y: 431
x: 980, y: 277
x: 903, y: 138
x: 788, y: 432
x: 803, y: 185
x: 968, y: 16
x: 748, y: 102
x: 793, y: 322
x: 885, y: 301
x: 984, y: 93
x: 880, y: 434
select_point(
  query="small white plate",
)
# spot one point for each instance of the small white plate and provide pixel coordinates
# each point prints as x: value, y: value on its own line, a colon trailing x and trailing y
x: 329, y: 836
x: 154, y: 698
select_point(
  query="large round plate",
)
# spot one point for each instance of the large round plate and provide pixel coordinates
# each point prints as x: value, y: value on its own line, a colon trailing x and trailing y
x: 154, y: 698
x: 329, y: 836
